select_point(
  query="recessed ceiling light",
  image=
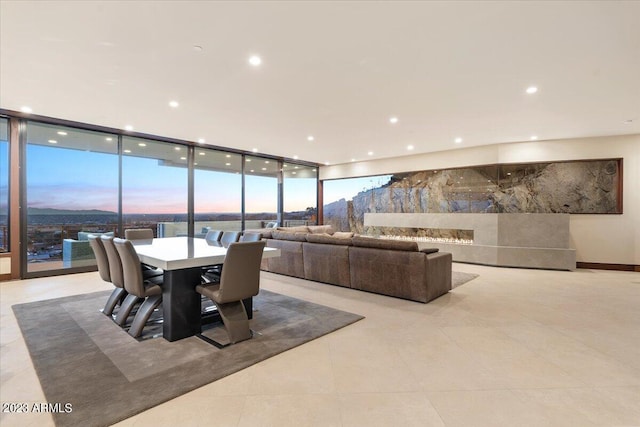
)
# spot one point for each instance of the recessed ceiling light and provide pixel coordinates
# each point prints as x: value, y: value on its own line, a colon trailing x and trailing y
x: 628, y: 122
x: 183, y: 158
x: 457, y: 140
x: 313, y: 170
x: 251, y: 170
x: 353, y: 160
x: 227, y: 164
x: 228, y: 156
x: 26, y: 109
x: 293, y: 173
x: 295, y: 157
x: 310, y: 138
x: 255, y: 150
x: 201, y: 140
x: 195, y: 163
x: 409, y: 147
x: 202, y: 153
x: 255, y: 60
x: 286, y: 166
x: 248, y: 160
x: 533, y: 137
x: 326, y: 163
x: 128, y: 127
x: 142, y: 144
x: 53, y: 141
x: 295, y: 167
x: 370, y: 153
x: 266, y: 162
x: 532, y: 90
x: 60, y: 132
x: 127, y: 151
x: 508, y: 173
x: 264, y: 169
x: 173, y: 104
x: 109, y: 139
x: 197, y: 48
x: 177, y: 148
x: 393, y: 120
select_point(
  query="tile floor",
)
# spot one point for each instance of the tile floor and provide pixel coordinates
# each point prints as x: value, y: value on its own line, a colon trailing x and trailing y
x: 512, y: 347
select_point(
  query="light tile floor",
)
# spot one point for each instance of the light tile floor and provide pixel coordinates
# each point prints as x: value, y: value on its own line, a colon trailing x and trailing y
x: 512, y: 347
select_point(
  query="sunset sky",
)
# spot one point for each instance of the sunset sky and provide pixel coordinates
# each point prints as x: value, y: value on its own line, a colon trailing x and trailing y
x: 72, y: 179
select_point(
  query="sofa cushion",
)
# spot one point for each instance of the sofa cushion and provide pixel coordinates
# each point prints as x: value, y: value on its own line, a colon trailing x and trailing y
x: 429, y: 250
x: 328, y: 239
x: 285, y: 235
x: 298, y: 229
x: 327, y: 263
x: 290, y: 260
x: 396, y: 245
x: 343, y: 234
x: 321, y: 229
x: 264, y: 232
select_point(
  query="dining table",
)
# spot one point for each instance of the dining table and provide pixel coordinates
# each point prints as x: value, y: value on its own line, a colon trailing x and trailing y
x: 182, y: 259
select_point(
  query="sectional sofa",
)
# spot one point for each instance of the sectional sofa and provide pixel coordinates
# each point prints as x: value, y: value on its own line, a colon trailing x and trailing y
x: 387, y: 267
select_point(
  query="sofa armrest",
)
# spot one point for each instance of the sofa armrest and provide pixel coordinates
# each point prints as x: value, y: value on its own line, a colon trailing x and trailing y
x: 438, y: 269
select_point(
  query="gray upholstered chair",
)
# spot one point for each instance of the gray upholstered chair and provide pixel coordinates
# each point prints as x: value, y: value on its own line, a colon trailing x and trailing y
x: 137, y: 287
x: 104, y: 269
x: 143, y: 234
x: 138, y: 234
x: 211, y: 273
x: 213, y: 236
x: 250, y: 237
x: 240, y: 279
x: 229, y: 237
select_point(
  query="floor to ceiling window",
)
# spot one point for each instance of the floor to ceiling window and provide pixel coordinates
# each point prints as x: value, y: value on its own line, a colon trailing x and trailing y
x: 4, y: 185
x: 78, y: 180
x: 261, y: 192
x: 71, y: 190
x: 154, y: 186
x: 300, y: 189
x: 217, y: 191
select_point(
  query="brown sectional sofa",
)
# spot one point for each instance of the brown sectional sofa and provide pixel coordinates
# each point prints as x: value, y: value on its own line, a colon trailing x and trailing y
x: 387, y: 267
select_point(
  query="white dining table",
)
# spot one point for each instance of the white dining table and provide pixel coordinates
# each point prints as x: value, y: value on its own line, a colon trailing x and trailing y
x: 182, y: 258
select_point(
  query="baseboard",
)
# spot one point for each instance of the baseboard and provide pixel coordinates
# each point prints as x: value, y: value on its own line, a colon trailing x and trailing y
x: 4, y: 277
x: 604, y: 266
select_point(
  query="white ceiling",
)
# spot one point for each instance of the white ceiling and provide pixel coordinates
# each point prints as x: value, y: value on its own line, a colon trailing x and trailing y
x: 334, y: 70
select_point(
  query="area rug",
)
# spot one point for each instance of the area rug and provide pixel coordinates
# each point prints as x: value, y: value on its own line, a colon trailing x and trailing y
x: 100, y: 375
x: 459, y: 278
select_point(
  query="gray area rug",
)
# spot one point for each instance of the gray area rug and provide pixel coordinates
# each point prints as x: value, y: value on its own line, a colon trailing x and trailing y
x: 459, y: 278
x: 83, y: 358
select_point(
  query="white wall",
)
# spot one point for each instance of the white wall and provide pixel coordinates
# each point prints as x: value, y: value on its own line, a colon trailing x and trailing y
x: 596, y: 238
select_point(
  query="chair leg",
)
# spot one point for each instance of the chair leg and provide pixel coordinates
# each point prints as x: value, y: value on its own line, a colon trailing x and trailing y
x: 125, y: 309
x: 235, y: 320
x: 145, y: 310
x: 115, y: 297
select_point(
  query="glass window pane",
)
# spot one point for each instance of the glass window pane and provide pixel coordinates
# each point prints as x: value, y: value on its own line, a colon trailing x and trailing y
x: 72, y: 190
x: 4, y: 185
x: 300, y: 187
x: 154, y: 186
x: 217, y: 191
x: 261, y: 192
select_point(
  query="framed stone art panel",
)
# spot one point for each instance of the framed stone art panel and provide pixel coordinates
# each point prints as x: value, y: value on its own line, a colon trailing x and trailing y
x: 575, y: 187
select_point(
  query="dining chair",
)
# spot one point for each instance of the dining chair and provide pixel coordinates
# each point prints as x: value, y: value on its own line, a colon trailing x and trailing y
x: 213, y: 236
x: 211, y: 273
x: 143, y: 234
x: 150, y: 290
x: 240, y: 279
x: 104, y: 269
x: 249, y: 236
x: 138, y: 234
x: 229, y: 237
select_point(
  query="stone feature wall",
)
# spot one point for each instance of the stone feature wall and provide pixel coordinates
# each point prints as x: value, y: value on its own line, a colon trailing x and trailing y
x: 590, y: 186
